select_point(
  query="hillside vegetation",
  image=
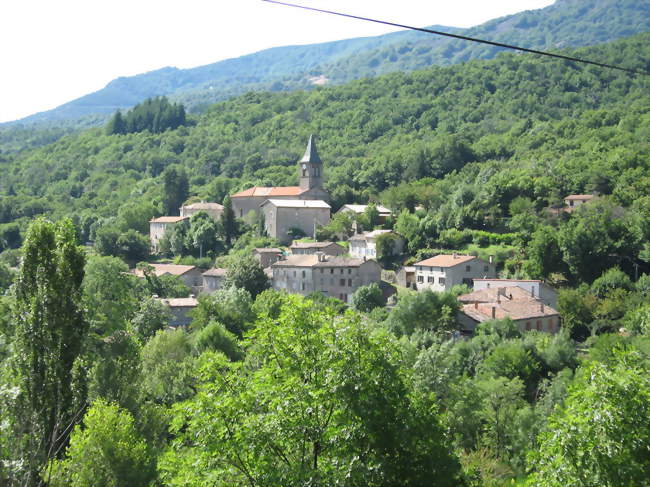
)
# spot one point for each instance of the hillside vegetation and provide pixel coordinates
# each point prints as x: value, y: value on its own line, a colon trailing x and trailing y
x: 567, y: 23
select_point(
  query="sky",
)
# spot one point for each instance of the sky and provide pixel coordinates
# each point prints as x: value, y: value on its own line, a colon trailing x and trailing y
x: 54, y: 51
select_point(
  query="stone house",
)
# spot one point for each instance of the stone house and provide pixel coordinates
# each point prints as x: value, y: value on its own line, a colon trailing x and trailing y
x: 158, y: 227
x: 280, y: 216
x: 365, y: 244
x: 405, y: 276
x: 267, y: 256
x: 537, y: 289
x: 191, y: 275
x: 337, y: 277
x: 512, y: 302
x: 310, y: 186
x: 213, y: 209
x: 213, y: 279
x: 442, y: 272
x: 308, y: 248
x: 180, y: 309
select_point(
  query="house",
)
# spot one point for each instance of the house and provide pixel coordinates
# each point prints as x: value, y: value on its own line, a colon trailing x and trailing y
x: 337, y: 277
x: 158, y: 227
x: 444, y: 271
x: 512, y: 302
x: 191, y: 275
x: 267, y: 256
x: 310, y: 186
x: 574, y: 200
x: 180, y: 309
x: 283, y: 216
x: 213, y: 279
x: 405, y: 276
x: 535, y: 288
x: 213, y: 209
x: 309, y: 248
x: 384, y: 213
x: 365, y: 244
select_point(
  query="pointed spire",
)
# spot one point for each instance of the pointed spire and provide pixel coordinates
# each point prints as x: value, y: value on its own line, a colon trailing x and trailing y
x: 311, y: 154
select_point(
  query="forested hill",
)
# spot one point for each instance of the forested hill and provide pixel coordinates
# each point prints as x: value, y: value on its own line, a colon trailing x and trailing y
x: 487, y: 131
x: 566, y: 23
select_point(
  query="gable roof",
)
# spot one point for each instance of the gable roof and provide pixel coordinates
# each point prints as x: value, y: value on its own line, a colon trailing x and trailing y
x: 516, y: 310
x: 296, y: 203
x: 370, y: 235
x: 311, y: 260
x: 494, y: 294
x: 190, y: 302
x: 262, y: 191
x: 161, y: 269
x: 579, y: 197
x: 168, y: 219
x: 445, y: 260
x: 267, y: 250
x: 311, y: 154
x: 313, y: 245
x: 215, y: 272
x: 203, y: 206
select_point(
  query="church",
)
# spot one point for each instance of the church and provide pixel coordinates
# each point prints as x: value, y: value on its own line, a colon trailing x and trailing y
x: 310, y: 187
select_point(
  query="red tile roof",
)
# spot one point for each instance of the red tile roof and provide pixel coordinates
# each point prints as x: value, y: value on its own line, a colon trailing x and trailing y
x: 168, y: 219
x: 161, y: 269
x: 445, y: 260
x: 269, y: 192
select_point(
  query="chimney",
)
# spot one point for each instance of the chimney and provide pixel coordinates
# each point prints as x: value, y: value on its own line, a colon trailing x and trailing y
x: 455, y: 255
x: 541, y: 307
x: 321, y: 256
x: 494, y: 312
x: 491, y: 259
x: 532, y: 291
x: 475, y: 304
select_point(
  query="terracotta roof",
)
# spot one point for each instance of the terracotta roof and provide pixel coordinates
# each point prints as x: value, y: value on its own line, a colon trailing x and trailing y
x: 312, y: 245
x: 579, y: 197
x: 311, y: 260
x: 508, y: 280
x: 215, y: 272
x: 168, y: 219
x: 516, y: 310
x: 161, y: 269
x: 445, y: 260
x: 489, y: 295
x: 296, y: 203
x: 204, y: 206
x: 269, y: 192
x: 190, y: 302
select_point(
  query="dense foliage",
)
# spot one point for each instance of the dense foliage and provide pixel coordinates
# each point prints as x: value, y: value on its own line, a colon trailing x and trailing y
x: 154, y: 114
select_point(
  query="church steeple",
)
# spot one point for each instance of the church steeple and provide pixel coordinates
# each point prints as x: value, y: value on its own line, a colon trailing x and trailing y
x: 311, y: 167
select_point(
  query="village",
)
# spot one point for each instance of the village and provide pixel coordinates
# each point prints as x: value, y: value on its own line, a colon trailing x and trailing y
x: 339, y: 268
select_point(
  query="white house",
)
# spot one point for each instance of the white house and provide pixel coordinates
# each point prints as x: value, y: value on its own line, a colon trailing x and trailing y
x: 365, y: 244
x: 158, y: 227
x: 442, y: 272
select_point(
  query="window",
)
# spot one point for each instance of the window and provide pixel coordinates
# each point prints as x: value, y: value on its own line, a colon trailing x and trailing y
x: 349, y: 282
x: 468, y: 268
x: 349, y: 271
x: 538, y: 325
x: 420, y: 278
x: 304, y: 274
x: 430, y: 279
x: 331, y: 271
x: 527, y: 325
x: 302, y: 286
x: 486, y: 268
x: 342, y: 270
x: 342, y: 282
x: 441, y: 281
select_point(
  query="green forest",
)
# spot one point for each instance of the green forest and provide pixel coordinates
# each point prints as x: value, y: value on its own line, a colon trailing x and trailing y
x: 270, y: 389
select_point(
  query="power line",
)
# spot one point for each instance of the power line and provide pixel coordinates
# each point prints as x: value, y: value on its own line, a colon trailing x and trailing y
x: 464, y: 38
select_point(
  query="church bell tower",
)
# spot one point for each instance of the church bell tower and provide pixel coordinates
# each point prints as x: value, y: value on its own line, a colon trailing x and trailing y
x: 311, y: 168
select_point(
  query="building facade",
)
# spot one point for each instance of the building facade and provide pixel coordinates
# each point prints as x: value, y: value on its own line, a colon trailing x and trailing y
x: 442, y: 272
x: 309, y: 248
x: 365, y: 244
x: 267, y: 256
x: 213, y: 279
x: 336, y: 277
x: 283, y: 216
x: 159, y: 226
x: 213, y: 209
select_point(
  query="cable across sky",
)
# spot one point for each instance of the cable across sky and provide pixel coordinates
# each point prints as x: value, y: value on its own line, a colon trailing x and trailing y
x: 466, y: 38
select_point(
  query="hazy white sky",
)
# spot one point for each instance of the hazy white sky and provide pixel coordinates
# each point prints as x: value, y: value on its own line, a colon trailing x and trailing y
x: 54, y: 51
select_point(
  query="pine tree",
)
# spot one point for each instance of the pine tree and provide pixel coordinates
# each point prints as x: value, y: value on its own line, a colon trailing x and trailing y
x: 50, y: 330
x: 175, y: 189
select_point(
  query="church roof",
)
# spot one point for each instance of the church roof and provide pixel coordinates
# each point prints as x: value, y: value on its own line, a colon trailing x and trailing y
x: 269, y: 192
x: 311, y: 154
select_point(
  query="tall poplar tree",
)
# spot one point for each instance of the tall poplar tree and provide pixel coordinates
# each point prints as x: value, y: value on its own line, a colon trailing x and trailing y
x: 176, y: 189
x: 49, y: 333
x: 228, y: 223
